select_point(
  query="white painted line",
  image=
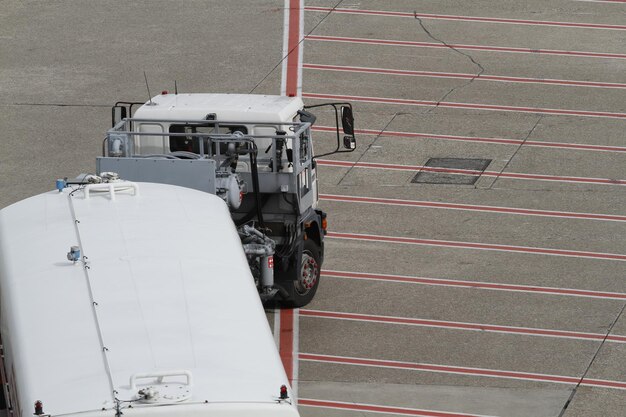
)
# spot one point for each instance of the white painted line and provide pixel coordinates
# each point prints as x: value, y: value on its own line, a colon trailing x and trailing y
x: 474, y: 285
x: 380, y: 409
x: 471, y: 207
x: 479, y: 246
x: 509, y: 175
x: 457, y: 18
x: 457, y: 325
x: 468, y: 106
x: 603, y: 1
x: 462, y: 370
x: 485, y: 48
x: 502, y: 141
x: 456, y: 75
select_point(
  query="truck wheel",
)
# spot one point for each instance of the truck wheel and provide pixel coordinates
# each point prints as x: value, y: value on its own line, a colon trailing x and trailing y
x: 302, y: 290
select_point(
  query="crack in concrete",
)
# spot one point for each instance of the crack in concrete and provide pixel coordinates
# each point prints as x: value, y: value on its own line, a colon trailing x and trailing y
x: 530, y: 132
x: 382, y: 131
x: 481, y: 69
x: 593, y: 359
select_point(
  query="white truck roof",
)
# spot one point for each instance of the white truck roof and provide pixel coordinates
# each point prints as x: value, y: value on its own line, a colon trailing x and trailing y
x: 173, y: 292
x: 227, y: 107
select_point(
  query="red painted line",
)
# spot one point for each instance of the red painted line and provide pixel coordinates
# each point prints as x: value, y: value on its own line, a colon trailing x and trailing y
x: 480, y: 246
x: 602, y: 1
x: 430, y: 16
x: 555, y: 178
x: 591, y: 382
x: 294, y: 45
x: 493, y: 286
x: 466, y: 47
x: 471, y: 207
x: 479, y: 77
x: 512, y: 175
x: 493, y: 373
x: 504, y: 141
x: 286, y: 332
x: 469, y: 106
x: 287, y: 342
x: 456, y: 325
x: 371, y: 408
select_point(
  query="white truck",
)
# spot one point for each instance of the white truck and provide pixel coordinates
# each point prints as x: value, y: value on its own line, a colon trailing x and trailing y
x: 256, y: 152
x: 141, y: 297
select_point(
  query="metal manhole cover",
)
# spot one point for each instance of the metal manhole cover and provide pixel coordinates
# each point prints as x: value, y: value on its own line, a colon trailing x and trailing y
x: 429, y: 177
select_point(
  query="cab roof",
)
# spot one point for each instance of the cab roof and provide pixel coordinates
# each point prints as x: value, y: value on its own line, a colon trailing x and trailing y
x: 226, y: 107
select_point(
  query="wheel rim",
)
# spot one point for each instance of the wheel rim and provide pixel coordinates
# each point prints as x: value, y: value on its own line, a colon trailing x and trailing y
x: 308, y: 274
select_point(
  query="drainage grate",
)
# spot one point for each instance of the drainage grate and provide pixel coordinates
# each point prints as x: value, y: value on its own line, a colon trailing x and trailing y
x: 425, y: 177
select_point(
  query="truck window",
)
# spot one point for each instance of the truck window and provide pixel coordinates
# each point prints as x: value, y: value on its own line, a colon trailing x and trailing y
x: 191, y: 143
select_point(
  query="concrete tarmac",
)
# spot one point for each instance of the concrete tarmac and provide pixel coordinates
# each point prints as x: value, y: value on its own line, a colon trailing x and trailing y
x: 64, y: 63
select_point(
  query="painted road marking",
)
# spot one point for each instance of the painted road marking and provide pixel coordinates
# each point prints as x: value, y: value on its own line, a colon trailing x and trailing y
x: 495, y: 286
x: 430, y: 16
x: 461, y: 370
x: 471, y: 207
x: 372, y: 408
x: 286, y: 325
x: 468, y: 106
x: 293, y: 35
x: 510, y: 175
x: 479, y: 246
x: 479, y: 77
x: 287, y: 330
x: 457, y: 325
x: 486, y: 48
x: 602, y: 1
x: 503, y: 141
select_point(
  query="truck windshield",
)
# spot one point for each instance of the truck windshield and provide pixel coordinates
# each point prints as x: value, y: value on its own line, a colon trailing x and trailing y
x: 191, y: 143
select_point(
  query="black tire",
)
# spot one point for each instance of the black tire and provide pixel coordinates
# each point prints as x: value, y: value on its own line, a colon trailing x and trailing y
x: 302, y: 290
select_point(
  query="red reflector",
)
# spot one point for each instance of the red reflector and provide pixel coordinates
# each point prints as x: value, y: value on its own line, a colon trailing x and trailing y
x: 164, y: 92
x: 38, y: 408
x: 283, y: 392
x: 324, y: 224
x: 270, y: 264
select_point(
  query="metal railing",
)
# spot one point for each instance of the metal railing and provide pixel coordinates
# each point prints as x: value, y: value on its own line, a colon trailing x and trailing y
x: 120, y: 140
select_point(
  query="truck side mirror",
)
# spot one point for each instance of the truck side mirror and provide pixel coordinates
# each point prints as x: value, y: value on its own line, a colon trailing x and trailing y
x: 347, y: 121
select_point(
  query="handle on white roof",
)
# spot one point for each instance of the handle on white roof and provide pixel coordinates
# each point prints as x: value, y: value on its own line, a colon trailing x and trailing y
x: 111, y: 187
x: 159, y: 376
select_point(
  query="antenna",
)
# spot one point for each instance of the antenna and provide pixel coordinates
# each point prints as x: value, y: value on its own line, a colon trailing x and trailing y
x: 148, y: 88
x: 175, y: 87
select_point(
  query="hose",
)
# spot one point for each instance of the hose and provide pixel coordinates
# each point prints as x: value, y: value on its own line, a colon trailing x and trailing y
x: 255, y: 185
